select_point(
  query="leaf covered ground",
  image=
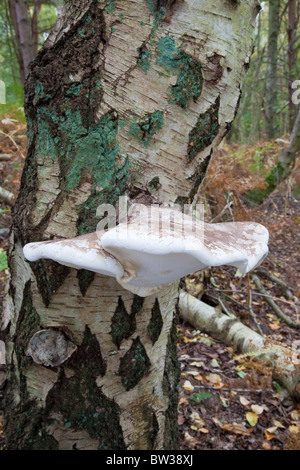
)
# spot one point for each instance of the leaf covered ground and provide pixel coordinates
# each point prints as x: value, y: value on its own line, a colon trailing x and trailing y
x: 227, y: 401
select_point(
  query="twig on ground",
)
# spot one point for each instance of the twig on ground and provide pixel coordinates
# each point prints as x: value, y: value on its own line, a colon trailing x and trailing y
x: 286, y: 291
x: 225, y: 309
x: 272, y: 304
x: 252, y: 314
x: 211, y: 387
x: 257, y: 293
x: 14, y: 142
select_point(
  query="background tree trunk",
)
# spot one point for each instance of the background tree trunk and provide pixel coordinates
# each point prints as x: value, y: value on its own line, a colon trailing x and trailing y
x: 293, y: 20
x: 25, y: 43
x: 124, y: 97
x: 288, y: 155
x: 272, y: 57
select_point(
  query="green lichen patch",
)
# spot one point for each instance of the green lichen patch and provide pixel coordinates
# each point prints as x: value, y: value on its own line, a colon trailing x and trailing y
x: 205, y: 130
x: 87, y: 212
x: 134, y: 365
x: 85, y: 151
x: 96, y: 151
x: 156, y: 323
x: 123, y: 325
x: 81, y: 403
x: 189, y: 72
x: 145, y: 129
x: 110, y: 6
x: 144, y: 59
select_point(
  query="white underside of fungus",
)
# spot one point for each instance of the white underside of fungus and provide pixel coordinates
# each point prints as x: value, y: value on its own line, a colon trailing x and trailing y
x: 146, y: 253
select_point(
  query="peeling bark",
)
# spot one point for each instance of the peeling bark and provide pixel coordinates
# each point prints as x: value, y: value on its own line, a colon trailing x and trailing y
x: 109, y: 113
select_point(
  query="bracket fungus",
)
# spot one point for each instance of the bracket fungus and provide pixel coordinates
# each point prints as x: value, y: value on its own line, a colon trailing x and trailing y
x: 156, y: 246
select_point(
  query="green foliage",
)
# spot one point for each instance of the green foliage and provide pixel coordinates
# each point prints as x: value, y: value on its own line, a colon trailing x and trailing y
x: 272, y: 178
x: 258, y: 164
x: 199, y: 397
x: 3, y: 261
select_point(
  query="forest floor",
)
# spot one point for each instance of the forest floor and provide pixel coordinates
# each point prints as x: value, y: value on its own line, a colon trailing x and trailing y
x: 227, y: 401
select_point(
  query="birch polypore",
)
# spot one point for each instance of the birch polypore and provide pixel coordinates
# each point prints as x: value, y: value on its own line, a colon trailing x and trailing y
x: 158, y: 246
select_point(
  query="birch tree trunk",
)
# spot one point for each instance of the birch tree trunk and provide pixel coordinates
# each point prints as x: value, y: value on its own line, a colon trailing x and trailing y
x: 271, y: 81
x: 125, y: 97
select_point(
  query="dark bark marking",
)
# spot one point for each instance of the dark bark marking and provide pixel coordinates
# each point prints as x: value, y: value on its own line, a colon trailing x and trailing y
x: 81, y: 402
x: 134, y: 365
x: 85, y: 278
x: 170, y: 389
x: 122, y: 324
x: 49, y: 277
x: 156, y: 323
x: 204, y: 132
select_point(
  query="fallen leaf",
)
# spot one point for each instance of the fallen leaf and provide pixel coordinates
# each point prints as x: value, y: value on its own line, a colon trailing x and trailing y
x: 224, y: 402
x: 204, y: 430
x: 294, y: 429
x: 272, y: 429
x: 274, y: 326
x: 233, y: 428
x: 198, y: 377
x: 191, y: 372
x: 182, y: 401
x: 197, y: 420
x: 190, y: 440
x: 217, y: 421
x: 278, y: 424
x: 257, y: 409
x: 269, y: 435
x: 213, y: 378
x: 188, y: 386
x: 197, y: 364
x: 252, y: 418
x: 214, y: 363
x: 181, y: 420
x: 266, y: 445
x: 236, y: 429
x: 295, y: 415
x: 244, y: 401
x: 242, y: 374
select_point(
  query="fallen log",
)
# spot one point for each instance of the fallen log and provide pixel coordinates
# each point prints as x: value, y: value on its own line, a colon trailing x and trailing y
x: 4, y: 157
x: 6, y: 196
x: 285, y: 361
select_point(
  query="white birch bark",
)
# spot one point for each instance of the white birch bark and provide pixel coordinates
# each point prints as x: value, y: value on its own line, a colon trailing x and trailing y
x: 217, y: 35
